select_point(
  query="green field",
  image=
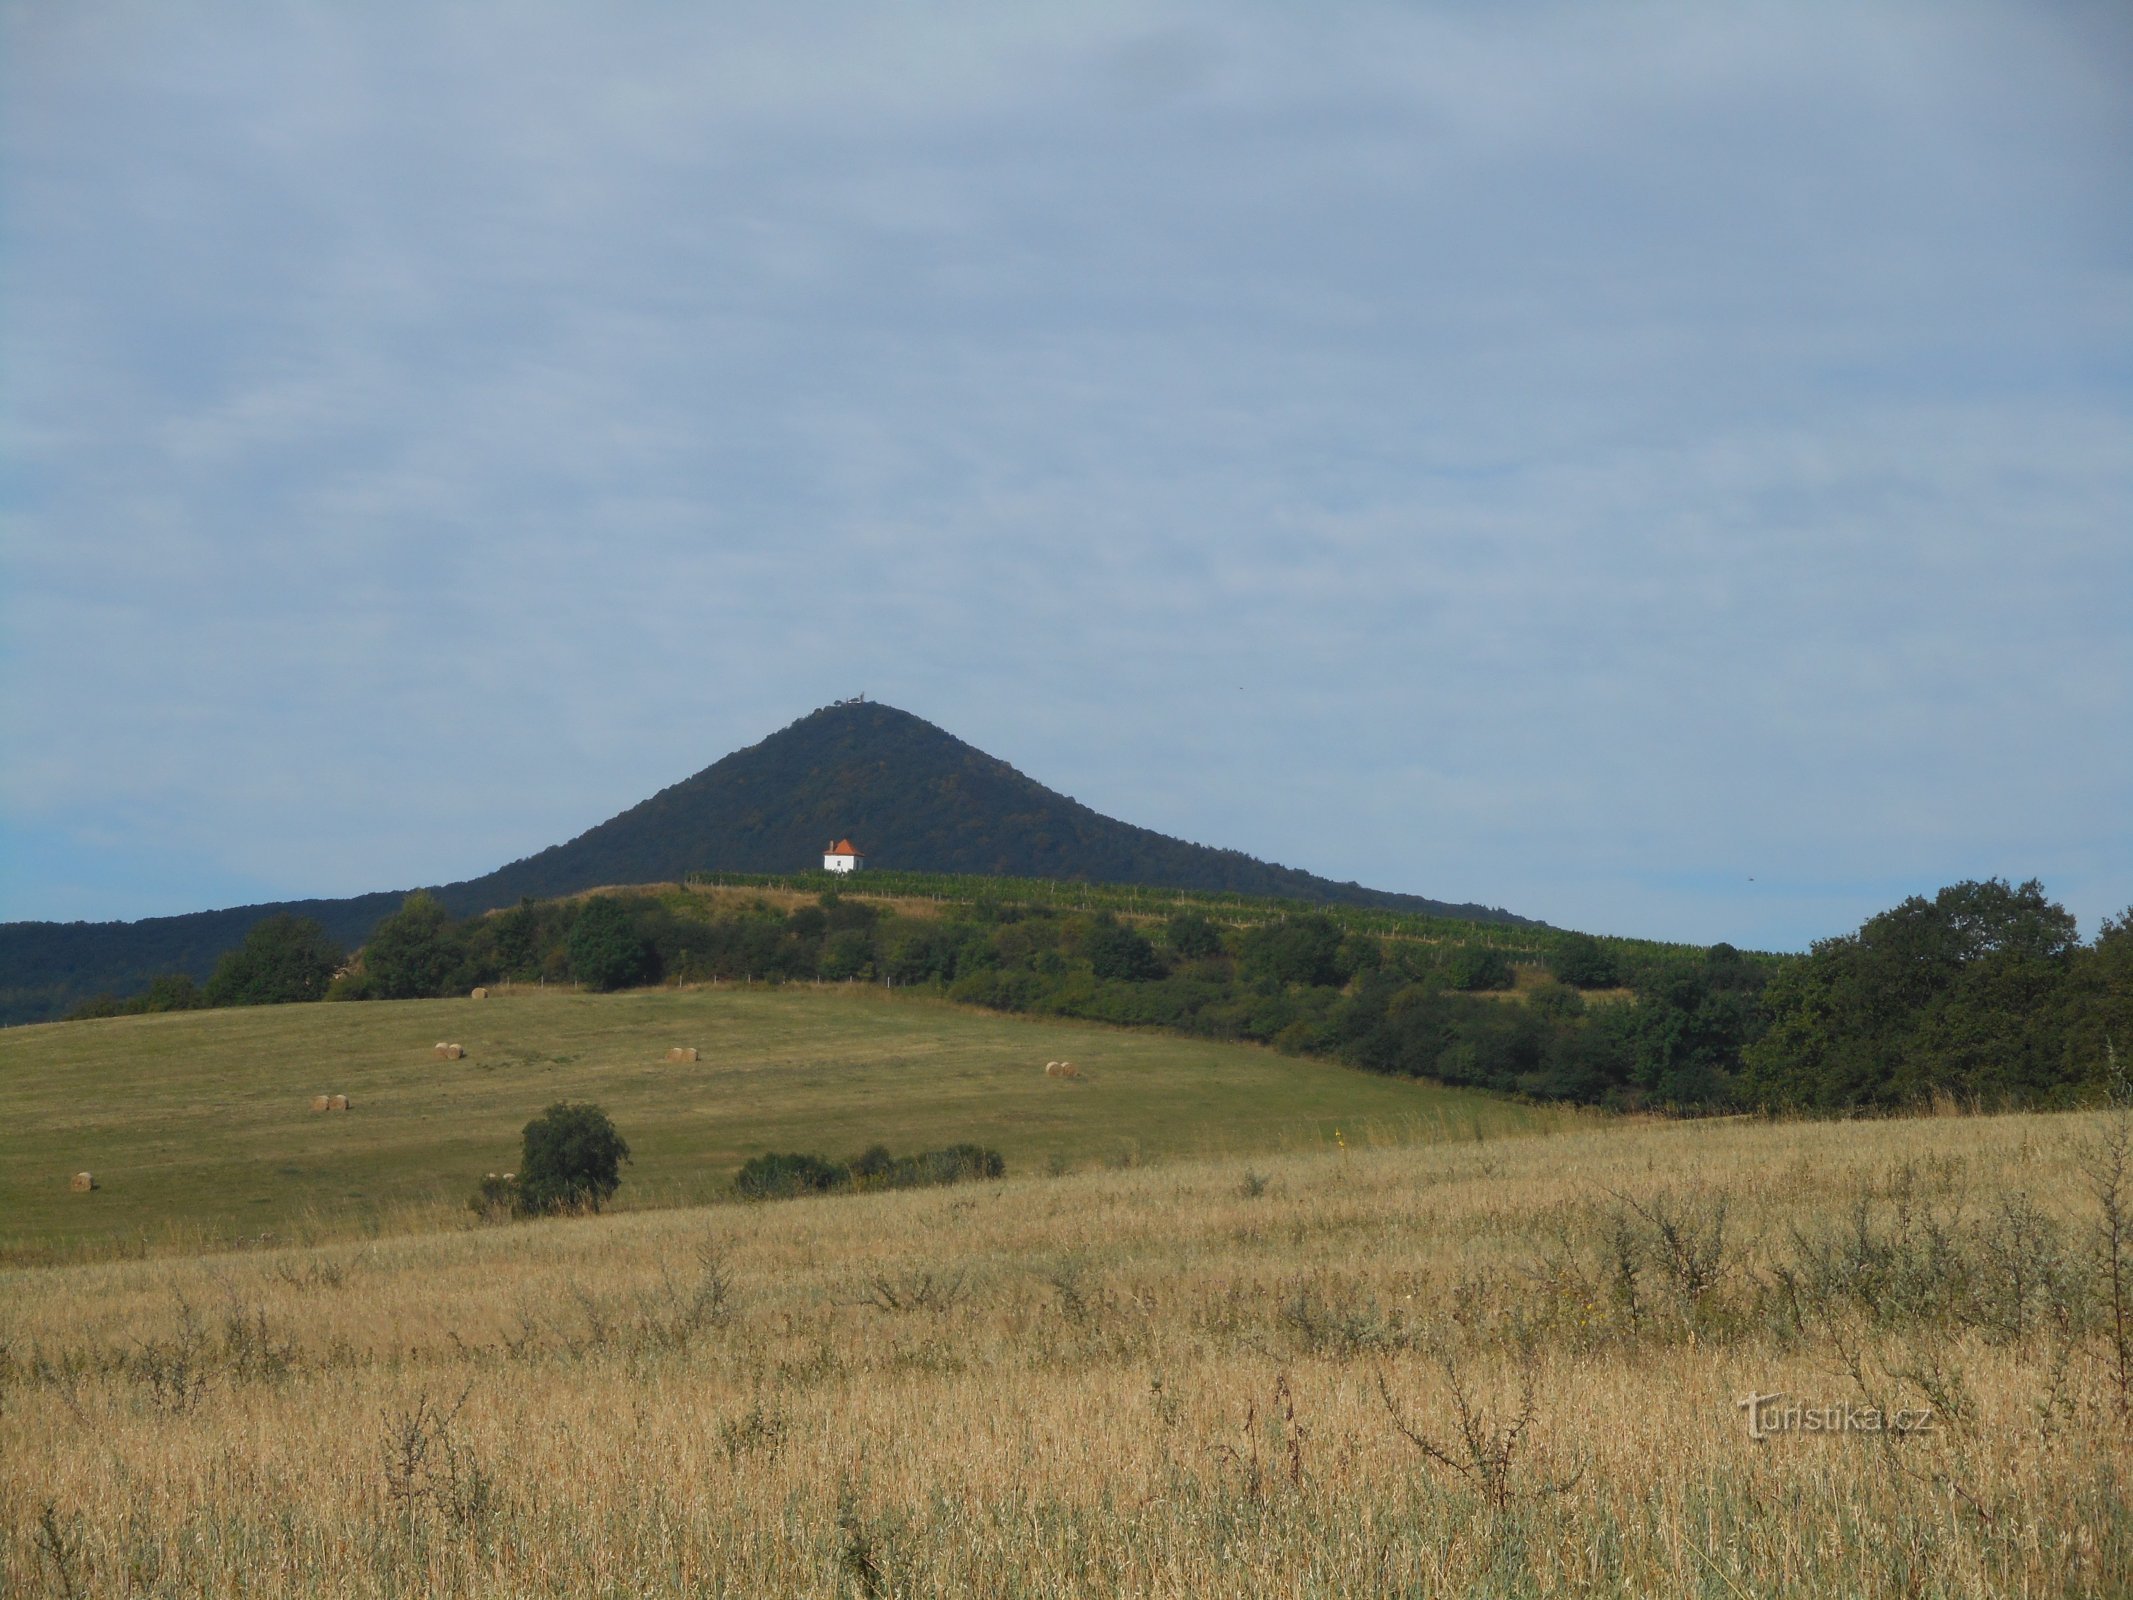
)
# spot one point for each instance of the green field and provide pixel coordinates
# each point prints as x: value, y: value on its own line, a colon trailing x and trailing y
x: 198, y: 1125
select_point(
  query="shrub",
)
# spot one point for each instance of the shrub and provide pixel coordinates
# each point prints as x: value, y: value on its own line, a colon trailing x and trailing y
x: 956, y: 1163
x: 849, y: 954
x: 170, y: 991
x: 1302, y: 949
x: 1118, y: 952
x: 572, y: 1160
x: 774, y: 1176
x: 495, y: 1197
x: 1191, y: 936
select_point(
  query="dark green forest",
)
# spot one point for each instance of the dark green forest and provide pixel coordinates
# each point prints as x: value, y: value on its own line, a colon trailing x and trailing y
x: 1985, y: 993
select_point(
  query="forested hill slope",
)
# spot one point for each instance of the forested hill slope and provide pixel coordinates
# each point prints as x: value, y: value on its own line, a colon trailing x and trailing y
x: 913, y: 796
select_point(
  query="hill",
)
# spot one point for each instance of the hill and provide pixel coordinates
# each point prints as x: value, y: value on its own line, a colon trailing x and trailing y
x: 913, y: 795
x: 199, y: 1123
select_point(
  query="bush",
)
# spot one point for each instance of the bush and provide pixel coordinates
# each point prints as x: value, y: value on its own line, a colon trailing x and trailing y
x: 774, y: 1176
x: 1120, y: 953
x: 782, y: 1176
x: 572, y: 1160
x: 1302, y: 949
x: 170, y: 991
x: 1191, y: 937
x: 495, y: 1197
x: 952, y: 1165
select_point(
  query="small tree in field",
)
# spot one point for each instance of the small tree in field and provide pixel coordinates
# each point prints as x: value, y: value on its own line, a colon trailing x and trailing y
x: 572, y: 1160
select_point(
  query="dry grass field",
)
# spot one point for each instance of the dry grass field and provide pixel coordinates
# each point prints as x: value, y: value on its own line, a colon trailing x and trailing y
x: 1505, y: 1366
x: 198, y: 1125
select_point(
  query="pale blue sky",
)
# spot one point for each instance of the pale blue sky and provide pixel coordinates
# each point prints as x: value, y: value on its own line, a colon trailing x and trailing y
x: 1662, y: 469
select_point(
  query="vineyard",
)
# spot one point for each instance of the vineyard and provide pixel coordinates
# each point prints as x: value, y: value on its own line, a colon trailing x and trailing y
x: 1531, y: 944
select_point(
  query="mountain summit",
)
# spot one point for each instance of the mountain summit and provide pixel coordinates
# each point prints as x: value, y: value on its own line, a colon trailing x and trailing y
x: 911, y: 795
x: 915, y: 798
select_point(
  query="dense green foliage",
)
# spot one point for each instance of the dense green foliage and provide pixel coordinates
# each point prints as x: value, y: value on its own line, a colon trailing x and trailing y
x: 607, y: 948
x: 413, y: 953
x: 283, y: 959
x: 775, y: 1176
x: 1303, y: 980
x: 170, y: 991
x: 49, y: 969
x: 572, y: 1160
x: 1983, y: 991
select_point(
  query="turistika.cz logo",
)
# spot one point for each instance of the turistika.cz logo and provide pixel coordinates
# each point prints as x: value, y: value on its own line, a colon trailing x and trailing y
x: 1772, y: 1414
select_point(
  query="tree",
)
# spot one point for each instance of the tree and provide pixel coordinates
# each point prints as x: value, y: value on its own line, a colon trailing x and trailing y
x: 1121, y: 953
x: 1302, y: 949
x: 1191, y: 936
x: 1963, y: 994
x: 607, y: 949
x: 572, y: 1160
x: 1583, y: 962
x: 415, y: 953
x: 1476, y: 966
x: 282, y: 959
x: 171, y: 991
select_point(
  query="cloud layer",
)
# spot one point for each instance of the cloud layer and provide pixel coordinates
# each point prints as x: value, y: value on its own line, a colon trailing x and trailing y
x: 1665, y: 472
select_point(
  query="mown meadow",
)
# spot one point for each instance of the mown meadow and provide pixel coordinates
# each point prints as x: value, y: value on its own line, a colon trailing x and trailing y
x: 1507, y: 1364
x: 198, y: 1129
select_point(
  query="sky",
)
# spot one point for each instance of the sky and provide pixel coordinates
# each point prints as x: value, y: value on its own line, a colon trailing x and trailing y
x: 1662, y: 469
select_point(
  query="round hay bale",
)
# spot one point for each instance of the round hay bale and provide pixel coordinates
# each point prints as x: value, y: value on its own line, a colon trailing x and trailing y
x: 82, y: 1183
x: 322, y: 1102
x: 481, y: 994
x: 337, y: 1102
x: 441, y: 1048
x: 451, y: 1052
x: 682, y: 1052
x: 1067, y: 1069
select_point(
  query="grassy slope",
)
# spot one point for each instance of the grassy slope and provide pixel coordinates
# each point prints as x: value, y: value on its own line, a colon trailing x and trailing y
x: 199, y: 1124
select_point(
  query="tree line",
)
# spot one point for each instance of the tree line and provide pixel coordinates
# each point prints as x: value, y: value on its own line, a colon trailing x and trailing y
x: 1985, y: 992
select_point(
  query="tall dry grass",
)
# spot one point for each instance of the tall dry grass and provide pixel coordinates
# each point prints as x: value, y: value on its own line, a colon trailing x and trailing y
x: 1508, y: 1367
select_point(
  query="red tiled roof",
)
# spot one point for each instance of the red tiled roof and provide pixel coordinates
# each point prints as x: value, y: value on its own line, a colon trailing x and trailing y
x: 843, y: 847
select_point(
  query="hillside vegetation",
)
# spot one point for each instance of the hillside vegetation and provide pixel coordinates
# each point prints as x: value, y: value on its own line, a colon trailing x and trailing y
x: 198, y: 1125
x: 916, y: 797
x: 1985, y: 993
x: 1509, y: 1367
